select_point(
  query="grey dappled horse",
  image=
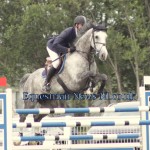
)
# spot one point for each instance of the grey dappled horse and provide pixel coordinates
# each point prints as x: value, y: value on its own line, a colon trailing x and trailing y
x: 80, y: 66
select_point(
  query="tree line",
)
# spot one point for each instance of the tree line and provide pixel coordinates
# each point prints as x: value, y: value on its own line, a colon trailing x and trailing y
x: 25, y: 26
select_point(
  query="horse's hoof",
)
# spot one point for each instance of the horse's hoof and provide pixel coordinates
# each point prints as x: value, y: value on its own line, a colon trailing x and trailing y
x: 40, y: 143
x: 17, y: 143
x: 91, y: 90
x: 32, y: 143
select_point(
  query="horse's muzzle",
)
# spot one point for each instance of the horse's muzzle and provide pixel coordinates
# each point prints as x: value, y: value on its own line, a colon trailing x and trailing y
x: 103, y: 56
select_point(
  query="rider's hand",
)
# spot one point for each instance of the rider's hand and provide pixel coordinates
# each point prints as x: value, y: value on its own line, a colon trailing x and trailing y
x: 72, y: 49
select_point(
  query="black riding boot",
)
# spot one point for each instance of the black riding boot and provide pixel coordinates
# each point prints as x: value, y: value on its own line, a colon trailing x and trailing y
x: 50, y: 74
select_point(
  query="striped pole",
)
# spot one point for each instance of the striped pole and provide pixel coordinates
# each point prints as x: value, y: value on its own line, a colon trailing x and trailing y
x: 81, y: 123
x: 77, y: 137
x: 82, y: 110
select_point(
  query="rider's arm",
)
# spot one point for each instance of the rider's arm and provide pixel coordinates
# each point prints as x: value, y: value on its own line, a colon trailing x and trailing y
x: 57, y: 44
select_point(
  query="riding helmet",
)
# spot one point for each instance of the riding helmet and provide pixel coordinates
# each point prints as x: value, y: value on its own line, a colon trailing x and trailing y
x: 80, y: 19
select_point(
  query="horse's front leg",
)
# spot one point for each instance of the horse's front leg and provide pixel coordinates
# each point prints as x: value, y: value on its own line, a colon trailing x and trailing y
x: 85, y: 75
x: 103, y: 78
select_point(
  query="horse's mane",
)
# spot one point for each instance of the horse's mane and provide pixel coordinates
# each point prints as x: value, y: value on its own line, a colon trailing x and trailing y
x: 84, y: 29
x: 83, y: 43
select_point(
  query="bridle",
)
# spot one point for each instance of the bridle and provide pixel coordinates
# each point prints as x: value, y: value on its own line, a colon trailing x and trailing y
x: 94, y: 42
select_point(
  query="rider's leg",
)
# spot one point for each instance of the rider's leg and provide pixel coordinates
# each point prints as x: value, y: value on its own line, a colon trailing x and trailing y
x: 52, y: 70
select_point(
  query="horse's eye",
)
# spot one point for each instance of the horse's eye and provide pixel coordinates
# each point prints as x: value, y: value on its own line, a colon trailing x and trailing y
x: 96, y: 37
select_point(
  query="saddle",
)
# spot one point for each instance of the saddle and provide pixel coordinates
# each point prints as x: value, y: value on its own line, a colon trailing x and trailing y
x: 48, y: 65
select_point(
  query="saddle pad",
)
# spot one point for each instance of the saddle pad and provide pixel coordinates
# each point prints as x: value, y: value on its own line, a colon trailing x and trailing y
x: 44, y: 74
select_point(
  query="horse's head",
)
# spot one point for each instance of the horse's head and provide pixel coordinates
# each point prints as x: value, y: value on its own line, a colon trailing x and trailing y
x: 98, y: 42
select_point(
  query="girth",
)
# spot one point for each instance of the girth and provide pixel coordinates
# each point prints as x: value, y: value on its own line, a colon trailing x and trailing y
x: 60, y: 81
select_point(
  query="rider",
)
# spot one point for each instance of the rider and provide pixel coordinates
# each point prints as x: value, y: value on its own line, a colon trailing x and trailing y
x: 61, y: 45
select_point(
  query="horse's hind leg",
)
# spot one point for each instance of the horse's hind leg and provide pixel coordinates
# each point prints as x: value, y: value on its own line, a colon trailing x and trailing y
x: 27, y: 105
x: 22, y: 117
x: 38, y: 118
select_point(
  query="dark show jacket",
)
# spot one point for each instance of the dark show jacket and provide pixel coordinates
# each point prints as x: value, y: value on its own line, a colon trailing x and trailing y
x: 60, y: 43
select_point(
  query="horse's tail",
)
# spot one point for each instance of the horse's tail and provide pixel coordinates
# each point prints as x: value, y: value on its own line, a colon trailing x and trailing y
x: 21, y: 89
x: 24, y: 79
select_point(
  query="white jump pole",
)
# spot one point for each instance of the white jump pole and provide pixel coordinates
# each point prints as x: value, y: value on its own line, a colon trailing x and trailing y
x: 144, y: 101
x: 6, y: 122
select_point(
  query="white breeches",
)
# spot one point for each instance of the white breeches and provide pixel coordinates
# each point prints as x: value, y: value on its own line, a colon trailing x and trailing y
x: 53, y: 56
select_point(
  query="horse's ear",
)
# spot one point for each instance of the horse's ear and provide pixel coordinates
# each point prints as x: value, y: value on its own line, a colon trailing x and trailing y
x: 100, y: 27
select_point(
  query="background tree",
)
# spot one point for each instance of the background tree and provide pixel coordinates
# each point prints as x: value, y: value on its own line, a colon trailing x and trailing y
x: 25, y: 26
